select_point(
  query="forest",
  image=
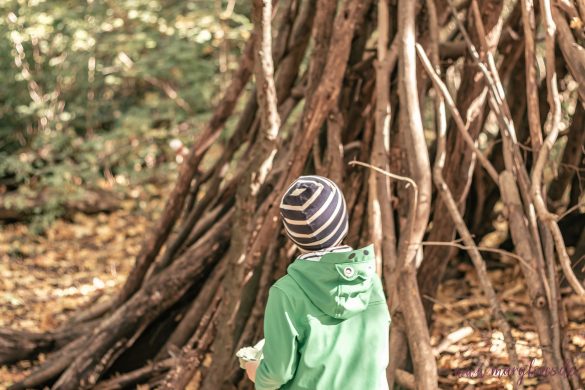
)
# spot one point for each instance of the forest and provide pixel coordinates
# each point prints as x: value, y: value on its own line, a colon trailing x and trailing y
x: 145, y: 146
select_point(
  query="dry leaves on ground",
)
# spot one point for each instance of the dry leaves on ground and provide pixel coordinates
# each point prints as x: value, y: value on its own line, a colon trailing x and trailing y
x: 44, y: 279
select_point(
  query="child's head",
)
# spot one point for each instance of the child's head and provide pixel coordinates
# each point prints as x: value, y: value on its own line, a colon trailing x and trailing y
x: 314, y: 213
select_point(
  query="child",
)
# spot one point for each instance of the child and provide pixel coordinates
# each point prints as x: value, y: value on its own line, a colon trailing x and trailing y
x: 326, y: 322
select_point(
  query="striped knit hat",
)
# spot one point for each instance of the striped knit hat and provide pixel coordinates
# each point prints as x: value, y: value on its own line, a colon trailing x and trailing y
x: 314, y: 213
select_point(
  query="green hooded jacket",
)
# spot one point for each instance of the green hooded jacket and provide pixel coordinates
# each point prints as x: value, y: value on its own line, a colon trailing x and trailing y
x: 326, y: 326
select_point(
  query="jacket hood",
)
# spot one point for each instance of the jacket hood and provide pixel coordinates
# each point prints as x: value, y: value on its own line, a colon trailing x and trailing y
x: 340, y: 283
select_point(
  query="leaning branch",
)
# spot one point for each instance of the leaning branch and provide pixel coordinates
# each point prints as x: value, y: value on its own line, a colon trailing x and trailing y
x: 554, y: 101
x: 442, y: 89
x: 528, y: 23
x: 257, y: 167
x: 157, y: 237
x: 462, y: 229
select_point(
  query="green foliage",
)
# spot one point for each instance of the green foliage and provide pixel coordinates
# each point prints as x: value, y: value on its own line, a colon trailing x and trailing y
x: 94, y: 91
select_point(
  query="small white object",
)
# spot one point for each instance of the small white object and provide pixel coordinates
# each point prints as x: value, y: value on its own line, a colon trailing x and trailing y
x: 176, y: 144
x: 298, y: 191
x: 348, y: 271
x: 250, y: 354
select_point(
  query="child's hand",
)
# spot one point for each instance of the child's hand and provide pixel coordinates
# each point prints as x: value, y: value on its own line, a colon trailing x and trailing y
x: 251, y: 368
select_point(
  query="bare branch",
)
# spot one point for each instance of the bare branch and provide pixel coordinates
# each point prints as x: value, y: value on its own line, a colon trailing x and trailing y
x: 481, y: 249
x: 462, y: 229
x: 528, y: 23
x: 380, y: 216
x: 536, y: 189
x: 442, y: 89
x: 414, y: 144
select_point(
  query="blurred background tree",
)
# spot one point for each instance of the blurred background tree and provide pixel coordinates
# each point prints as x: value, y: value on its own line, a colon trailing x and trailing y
x: 99, y: 95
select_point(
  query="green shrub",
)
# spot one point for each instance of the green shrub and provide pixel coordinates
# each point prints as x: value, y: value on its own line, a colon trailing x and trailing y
x: 96, y: 90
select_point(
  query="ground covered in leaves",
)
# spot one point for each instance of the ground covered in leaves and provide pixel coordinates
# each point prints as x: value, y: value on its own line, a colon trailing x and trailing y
x: 472, y: 350
x: 44, y: 278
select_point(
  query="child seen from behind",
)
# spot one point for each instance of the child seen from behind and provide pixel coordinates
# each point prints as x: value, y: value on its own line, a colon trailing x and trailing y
x: 326, y: 322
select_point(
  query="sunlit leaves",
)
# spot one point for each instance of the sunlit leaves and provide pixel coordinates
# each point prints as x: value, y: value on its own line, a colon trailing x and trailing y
x: 99, y: 88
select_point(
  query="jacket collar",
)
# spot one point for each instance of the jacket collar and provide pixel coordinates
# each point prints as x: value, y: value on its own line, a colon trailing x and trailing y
x: 316, y: 256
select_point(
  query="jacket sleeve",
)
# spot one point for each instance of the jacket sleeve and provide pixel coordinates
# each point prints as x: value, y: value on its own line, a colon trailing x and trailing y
x: 281, y: 336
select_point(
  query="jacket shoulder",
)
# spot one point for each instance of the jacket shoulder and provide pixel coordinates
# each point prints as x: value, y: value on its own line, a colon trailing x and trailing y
x: 289, y: 291
x: 287, y: 286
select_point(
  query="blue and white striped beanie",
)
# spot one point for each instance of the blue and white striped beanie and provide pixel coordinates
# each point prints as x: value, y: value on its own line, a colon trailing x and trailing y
x: 314, y: 213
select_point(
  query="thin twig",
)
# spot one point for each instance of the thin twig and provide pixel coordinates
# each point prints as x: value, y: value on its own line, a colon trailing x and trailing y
x: 408, y: 180
x: 570, y: 210
x: 480, y: 248
x: 389, y: 174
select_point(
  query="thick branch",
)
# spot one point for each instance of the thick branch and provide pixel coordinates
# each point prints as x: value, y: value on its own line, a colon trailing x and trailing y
x: 425, y: 368
x: 536, y: 189
x: 528, y: 23
x: 258, y: 165
x: 162, y: 229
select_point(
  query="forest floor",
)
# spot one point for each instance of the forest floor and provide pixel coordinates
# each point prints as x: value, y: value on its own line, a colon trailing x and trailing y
x: 43, y: 279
